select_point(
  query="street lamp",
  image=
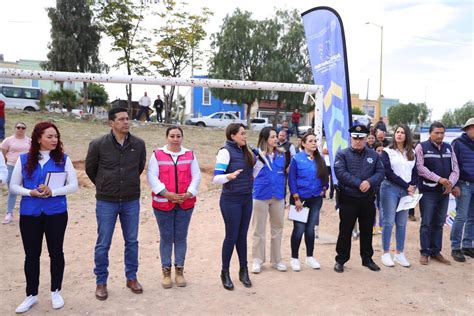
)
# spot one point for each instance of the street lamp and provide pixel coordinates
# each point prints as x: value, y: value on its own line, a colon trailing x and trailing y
x: 379, y: 104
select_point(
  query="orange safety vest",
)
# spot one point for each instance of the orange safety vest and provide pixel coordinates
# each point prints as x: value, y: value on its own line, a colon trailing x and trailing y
x: 176, y: 177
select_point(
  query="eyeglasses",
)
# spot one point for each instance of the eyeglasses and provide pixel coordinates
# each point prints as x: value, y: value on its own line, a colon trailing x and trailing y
x: 21, y: 127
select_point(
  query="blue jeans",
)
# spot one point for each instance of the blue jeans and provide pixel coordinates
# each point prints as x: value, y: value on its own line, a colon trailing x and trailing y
x: 307, y: 228
x: 106, y: 213
x: 236, y: 211
x: 11, y: 200
x: 173, y: 227
x: 433, y: 209
x: 390, y: 195
x: 464, y: 218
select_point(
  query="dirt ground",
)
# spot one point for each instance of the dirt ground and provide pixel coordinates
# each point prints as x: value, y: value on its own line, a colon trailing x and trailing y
x: 432, y: 289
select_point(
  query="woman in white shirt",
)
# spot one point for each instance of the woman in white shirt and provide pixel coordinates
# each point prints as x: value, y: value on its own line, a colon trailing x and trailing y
x: 43, y: 208
x: 401, y: 178
x: 174, y: 176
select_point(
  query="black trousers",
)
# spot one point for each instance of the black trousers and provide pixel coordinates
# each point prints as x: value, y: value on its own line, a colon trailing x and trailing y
x: 350, y: 210
x: 32, y: 230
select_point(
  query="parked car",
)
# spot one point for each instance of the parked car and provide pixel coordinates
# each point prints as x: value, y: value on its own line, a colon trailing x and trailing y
x: 303, y: 129
x: 258, y: 123
x: 218, y: 119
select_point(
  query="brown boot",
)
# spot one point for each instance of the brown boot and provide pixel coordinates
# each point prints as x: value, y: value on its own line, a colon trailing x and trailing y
x: 179, y: 277
x: 166, y: 282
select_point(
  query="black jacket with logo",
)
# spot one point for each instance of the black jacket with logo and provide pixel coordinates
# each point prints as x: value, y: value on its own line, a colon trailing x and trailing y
x: 114, y: 169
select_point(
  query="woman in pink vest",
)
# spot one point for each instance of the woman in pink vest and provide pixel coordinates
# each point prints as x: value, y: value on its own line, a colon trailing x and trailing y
x: 174, y: 176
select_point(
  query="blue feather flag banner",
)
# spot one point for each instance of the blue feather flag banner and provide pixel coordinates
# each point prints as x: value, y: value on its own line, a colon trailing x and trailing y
x: 327, y: 52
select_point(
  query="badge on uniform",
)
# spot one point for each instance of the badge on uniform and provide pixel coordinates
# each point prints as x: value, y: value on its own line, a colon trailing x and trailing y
x: 370, y: 160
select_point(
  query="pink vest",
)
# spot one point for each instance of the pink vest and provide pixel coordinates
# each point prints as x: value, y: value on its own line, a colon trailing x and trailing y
x: 176, y: 177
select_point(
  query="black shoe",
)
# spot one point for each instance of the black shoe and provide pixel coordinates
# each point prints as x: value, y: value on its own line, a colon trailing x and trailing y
x: 468, y: 252
x: 457, y: 255
x: 339, y: 267
x: 226, y: 281
x: 244, y: 277
x: 371, y: 265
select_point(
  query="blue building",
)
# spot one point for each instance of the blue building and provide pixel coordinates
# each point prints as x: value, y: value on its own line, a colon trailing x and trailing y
x: 204, y: 103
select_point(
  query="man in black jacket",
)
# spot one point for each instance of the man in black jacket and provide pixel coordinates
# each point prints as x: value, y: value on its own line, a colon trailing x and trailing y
x: 114, y: 163
x: 359, y: 172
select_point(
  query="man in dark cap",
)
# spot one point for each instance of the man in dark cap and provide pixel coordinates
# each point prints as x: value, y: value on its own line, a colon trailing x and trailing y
x: 359, y: 172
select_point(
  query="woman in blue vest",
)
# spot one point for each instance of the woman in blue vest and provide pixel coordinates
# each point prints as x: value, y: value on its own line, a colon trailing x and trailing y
x: 401, y: 178
x: 268, y: 200
x: 308, y: 181
x: 234, y: 166
x: 43, y: 208
x: 174, y: 176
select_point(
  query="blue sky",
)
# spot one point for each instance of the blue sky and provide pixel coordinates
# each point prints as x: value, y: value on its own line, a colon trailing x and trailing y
x: 427, y: 55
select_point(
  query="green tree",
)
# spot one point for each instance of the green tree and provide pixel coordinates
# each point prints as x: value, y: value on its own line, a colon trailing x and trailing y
x: 458, y: 117
x: 97, y: 95
x: 408, y: 113
x: 241, y: 50
x: 63, y: 96
x: 358, y: 111
x: 121, y: 21
x: 289, y: 59
x: 178, y: 46
x: 75, y: 39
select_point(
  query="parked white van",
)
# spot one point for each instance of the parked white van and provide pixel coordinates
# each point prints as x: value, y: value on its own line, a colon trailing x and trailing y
x: 20, y: 97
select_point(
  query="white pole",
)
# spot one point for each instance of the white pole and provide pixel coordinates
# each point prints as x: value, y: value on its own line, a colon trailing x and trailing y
x: 156, y: 80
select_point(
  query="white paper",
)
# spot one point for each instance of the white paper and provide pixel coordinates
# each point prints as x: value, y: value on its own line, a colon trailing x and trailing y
x: 408, y: 202
x: 55, y: 180
x: 301, y: 216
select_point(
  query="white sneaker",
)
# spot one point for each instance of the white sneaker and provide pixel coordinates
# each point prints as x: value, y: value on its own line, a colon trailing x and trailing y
x: 8, y: 219
x: 295, y: 264
x: 256, y: 267
x: 387, y: 260
x: 26, y: 304
x: 57, y: 299
x: 313, y: 263
x: 401, y: 260
x: 316, y: 232
x: 280, y: 266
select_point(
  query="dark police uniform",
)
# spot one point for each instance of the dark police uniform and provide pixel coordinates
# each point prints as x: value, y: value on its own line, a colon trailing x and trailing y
x: 352, y: 168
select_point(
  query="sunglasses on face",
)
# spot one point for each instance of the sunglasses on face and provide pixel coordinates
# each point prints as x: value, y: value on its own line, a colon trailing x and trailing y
x: 20, y: 127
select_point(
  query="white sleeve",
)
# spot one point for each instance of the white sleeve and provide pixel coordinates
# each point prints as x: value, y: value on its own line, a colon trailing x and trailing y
x: 71, y: 180
x: 292, y: 150
x: 153, y: 175
x: 196, y: 177
x: 222, y: 162
x: 3, y: 170
x: 16, y: 182
x: 257, y: 167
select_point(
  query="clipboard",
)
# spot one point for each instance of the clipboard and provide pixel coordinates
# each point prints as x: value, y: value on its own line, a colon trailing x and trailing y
x: 55, y: 180
x: 301, y: 216
x: 409, y: 201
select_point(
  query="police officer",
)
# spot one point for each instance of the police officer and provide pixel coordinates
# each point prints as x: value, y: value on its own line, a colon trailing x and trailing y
x: 359, y: 171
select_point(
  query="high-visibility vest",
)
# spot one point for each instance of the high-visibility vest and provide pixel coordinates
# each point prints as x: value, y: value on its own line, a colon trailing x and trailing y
x: 176, y: 176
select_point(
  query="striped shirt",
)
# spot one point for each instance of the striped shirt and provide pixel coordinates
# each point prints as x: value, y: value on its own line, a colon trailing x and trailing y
x: 427, y: 174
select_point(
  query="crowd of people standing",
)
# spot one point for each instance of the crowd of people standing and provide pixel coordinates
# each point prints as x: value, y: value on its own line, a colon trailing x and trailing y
x: 254, y: 189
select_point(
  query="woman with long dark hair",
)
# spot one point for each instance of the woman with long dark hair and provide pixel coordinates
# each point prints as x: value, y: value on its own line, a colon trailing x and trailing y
x: 401, y: 178
x: 174, y: 176
x: 308, y: 182
x: 234, y: 166
x: 268, y: 200
x: 43, y: 209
